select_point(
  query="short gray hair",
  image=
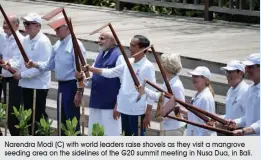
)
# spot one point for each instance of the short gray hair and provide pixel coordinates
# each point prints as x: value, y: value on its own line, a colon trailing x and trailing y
x: 172, y: 63
x: 15, y: 19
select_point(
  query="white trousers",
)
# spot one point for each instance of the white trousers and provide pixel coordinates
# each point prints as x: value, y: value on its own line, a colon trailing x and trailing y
x: 105, y: 118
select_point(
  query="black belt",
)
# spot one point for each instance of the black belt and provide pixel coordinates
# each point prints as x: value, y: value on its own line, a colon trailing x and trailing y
x: 8, y: 78
x: 73, y: 80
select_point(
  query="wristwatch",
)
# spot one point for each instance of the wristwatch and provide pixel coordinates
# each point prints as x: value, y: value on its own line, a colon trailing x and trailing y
x: 80, y: 90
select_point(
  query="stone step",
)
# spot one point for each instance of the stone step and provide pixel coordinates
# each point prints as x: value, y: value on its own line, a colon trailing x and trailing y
x: 219, y: 100
x: 187, y: 62
x: 218, y: 81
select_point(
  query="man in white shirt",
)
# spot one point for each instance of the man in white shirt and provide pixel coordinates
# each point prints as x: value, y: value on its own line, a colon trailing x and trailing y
x: 1, y: 48
x: 11, y: 55
x: 2, y: 37
x: 250, y: 121
x: 235, y: 71
x: 38, y: 49
x: 127, y: 105
x: 62, y: 61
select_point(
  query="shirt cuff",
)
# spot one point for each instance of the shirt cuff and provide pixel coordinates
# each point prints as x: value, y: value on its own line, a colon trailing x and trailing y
x: 40, y: 65
x: 256, y: 127
x: 13, y: 64
x: 104, y: 72
x: 150, y: 101
x: 239, y: 122
x: 22, y: 75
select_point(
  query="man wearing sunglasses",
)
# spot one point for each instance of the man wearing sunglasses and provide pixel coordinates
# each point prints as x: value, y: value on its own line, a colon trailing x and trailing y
x: 250, y: 121
x: 38, y: 48
x: 11, y: 55
x: 62, y: 61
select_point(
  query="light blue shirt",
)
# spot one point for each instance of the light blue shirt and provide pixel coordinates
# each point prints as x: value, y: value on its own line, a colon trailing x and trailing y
x: 62, y: 60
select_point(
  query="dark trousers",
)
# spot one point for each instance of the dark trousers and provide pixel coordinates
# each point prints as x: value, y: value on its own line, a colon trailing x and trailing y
x: 130, y: 125
x: 1, y: 84
x: 69, y: 110
x: 1, y: 91
x: 40, y: 107
x: 14, y: 100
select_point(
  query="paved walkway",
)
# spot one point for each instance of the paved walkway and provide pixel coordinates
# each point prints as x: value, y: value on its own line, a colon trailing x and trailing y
x: 191, y: 37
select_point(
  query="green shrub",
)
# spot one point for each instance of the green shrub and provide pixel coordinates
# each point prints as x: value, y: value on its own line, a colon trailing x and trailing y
x: 2, y: 113
x: 44, y: 127
x: 23, y: 117
x: 70, y: 128
x: 97, y: 130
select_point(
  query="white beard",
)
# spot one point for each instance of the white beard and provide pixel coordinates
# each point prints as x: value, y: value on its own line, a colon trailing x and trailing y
x: 102, y: 48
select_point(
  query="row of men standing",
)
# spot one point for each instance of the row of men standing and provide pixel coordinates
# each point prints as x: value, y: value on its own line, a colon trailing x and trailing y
x: 39, y: 49
x: 44, y: 57
x: 113, y: 99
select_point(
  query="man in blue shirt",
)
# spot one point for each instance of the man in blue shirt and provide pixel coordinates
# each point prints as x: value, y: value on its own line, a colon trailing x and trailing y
x: 62, y: 61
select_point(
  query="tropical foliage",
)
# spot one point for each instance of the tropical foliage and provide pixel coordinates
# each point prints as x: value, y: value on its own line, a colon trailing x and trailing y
x: 23, y: 117
x: 180, y: 12
x: 70, y: 127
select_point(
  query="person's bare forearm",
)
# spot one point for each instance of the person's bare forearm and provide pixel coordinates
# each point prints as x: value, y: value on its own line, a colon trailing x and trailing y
x: 248, y: 130
x: 149, y: 109
x: 183, y: 111
x: 95, y: 70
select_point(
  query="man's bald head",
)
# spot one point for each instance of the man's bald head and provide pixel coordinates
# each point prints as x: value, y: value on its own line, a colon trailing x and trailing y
x: 14, y: 20
x: 106, y: 41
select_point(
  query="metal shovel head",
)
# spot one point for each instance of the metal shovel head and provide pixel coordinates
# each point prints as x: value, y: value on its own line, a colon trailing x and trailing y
x: 52, y: 14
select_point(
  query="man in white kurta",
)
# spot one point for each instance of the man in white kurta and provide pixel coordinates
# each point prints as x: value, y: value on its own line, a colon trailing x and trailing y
x: 104, y: 91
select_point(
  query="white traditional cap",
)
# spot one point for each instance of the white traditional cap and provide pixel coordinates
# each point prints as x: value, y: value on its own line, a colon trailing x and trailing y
x: 252, y: 59
x: 201, y: 71
x: 32, y: 17
x: 234, y: 65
